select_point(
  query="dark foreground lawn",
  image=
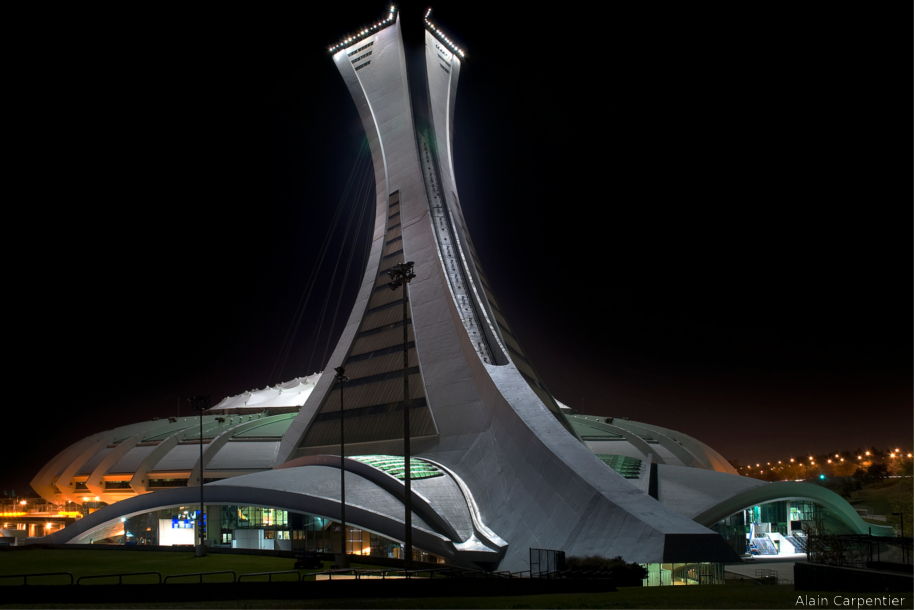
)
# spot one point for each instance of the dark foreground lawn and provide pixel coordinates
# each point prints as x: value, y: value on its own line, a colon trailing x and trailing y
x: 706, y: 596
x: 91, y: 562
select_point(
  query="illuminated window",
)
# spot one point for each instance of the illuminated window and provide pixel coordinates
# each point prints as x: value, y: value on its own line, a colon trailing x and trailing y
x: 627, y: 467
x: 393, y: 465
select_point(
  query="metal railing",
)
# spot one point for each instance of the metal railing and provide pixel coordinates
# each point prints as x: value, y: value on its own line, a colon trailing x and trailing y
x: 25, y: 577
x: 120, y: 576
x: 270, y: 575
x: 200, y: 575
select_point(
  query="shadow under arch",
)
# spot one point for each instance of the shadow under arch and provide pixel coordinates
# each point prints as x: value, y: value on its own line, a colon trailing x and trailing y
x: 792, y: 490
x: 230, y: 494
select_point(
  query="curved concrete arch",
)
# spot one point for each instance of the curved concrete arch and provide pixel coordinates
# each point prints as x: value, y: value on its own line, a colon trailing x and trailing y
x: 789, y: 490
x: 43, y: 482
x: 54, y: 480
x: 705, y: 454
x: 94, y: 482
x: 219, y: 442
x: 358, y: 516
x: 393, y: 486
x: 139, y: 483
x: 633, y: 439
x: 679, y: 451
x: 64, y: 480
x: 480, y: 530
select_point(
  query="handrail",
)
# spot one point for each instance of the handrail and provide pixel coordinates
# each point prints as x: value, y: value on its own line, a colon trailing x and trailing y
x: 339, y: 572
x: 120, y: 576
x: 270, y: 575
x: 25, y: 577
x: 452, y: 571
x: 200, y: 575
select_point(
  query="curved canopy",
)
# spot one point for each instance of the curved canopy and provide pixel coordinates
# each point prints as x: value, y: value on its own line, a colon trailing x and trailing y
x: 790, y: 490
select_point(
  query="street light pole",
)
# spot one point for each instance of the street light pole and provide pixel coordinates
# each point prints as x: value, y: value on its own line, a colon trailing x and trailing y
x: 400, y: 275
x: 341, y: 380
x: 901, y: 525
x: 199, y: 402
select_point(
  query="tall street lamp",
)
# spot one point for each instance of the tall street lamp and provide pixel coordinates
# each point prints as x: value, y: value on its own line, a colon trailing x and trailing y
x: 901, y: 525
x: 400, y: 275
x: 341, y: 380
x: 901, y: 534
x: 200, y: 402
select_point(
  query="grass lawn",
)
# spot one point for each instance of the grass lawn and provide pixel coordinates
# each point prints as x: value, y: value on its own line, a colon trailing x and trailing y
x: 89, y: 562
x: 885, y: 498
x: 102, y: 561
x: 705, y: 596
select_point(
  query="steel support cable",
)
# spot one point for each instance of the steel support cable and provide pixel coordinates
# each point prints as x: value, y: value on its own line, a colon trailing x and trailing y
x: 343, y: 208
x: 332, y: 284
x: 292, y: 330
x: 366, y: 196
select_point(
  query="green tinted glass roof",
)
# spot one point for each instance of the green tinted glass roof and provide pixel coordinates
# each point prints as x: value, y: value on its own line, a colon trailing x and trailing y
x: 393, y: 465
x: 627, y: 467
x: 271, y: 426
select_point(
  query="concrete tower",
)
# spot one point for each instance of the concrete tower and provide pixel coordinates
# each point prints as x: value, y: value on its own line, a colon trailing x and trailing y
x: 477, y: 406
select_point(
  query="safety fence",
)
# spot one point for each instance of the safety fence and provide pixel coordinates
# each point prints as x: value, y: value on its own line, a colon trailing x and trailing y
x: 230, y: 576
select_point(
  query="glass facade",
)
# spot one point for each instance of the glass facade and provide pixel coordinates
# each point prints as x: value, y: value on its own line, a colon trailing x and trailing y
x: 671, y: 574
x: 252, y: 527
x: 777, y: 528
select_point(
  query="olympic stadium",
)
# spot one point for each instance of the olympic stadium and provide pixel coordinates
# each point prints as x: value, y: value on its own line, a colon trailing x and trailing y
x: 426, y: 372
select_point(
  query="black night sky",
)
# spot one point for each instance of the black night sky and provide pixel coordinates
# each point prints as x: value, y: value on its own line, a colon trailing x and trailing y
x: 695, y: 217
